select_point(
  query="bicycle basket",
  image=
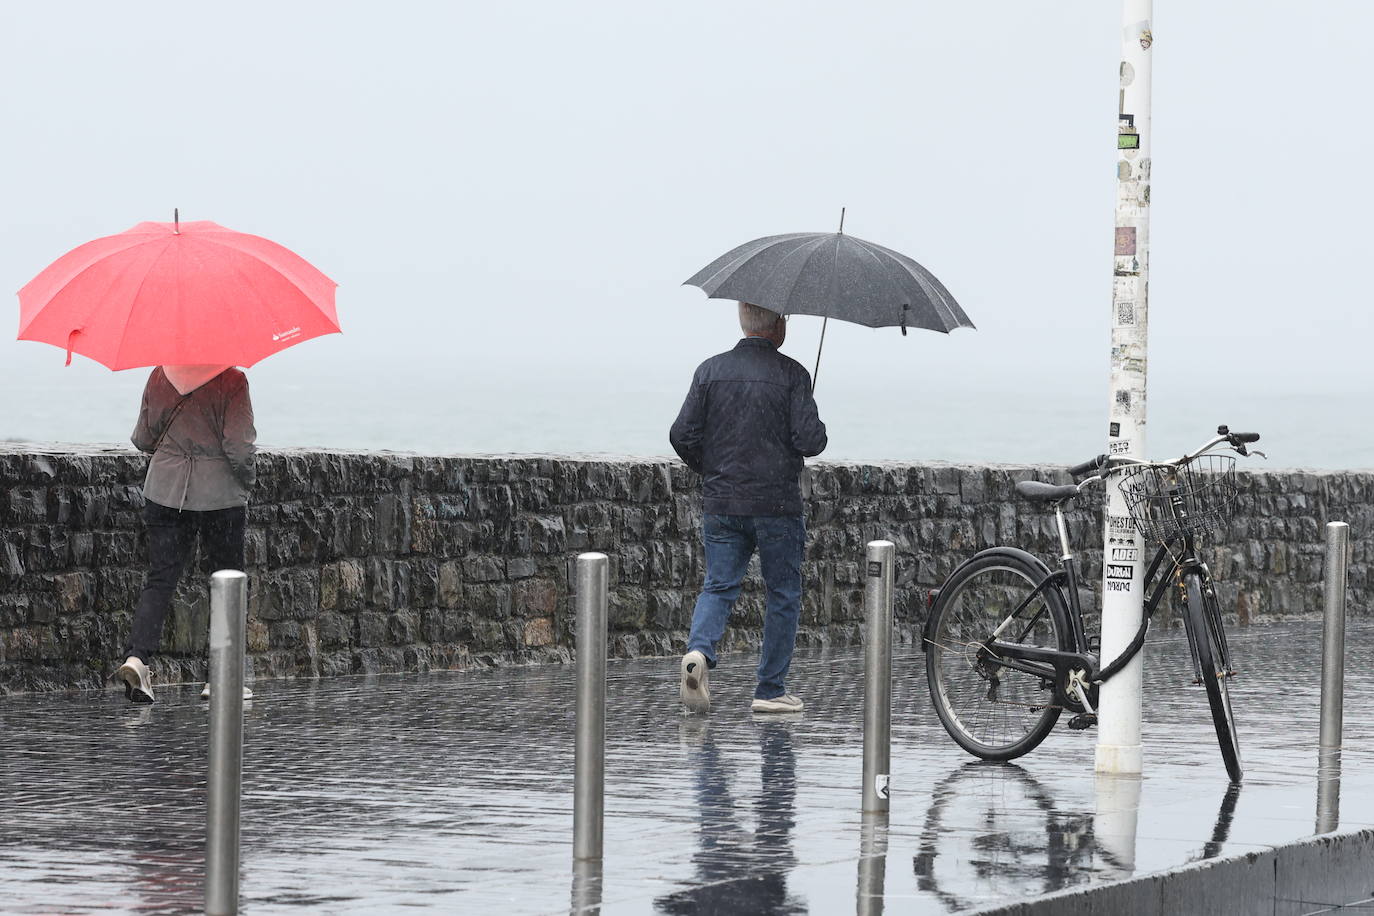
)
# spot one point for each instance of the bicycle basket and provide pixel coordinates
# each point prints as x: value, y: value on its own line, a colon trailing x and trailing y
x: 1207, y: 486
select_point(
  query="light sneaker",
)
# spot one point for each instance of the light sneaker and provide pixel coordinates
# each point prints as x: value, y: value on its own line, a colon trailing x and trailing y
x: 138, y: 683
x: 784, y: 703
x: 205, y: 692
x: 694, y: 693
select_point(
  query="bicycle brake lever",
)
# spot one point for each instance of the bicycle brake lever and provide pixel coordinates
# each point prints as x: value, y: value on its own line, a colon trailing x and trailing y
x: 1255, y: 451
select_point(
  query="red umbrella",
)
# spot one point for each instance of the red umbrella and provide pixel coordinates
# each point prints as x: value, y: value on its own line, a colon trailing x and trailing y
x: 177, y: 294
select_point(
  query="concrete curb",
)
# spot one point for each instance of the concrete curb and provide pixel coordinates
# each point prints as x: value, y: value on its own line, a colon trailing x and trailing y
x: 1316, y: 875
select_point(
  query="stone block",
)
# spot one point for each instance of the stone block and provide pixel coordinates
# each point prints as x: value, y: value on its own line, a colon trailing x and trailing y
x: 403, y: 628
x: 539, y: 632
x: 484, y: 569
x: 535, y: 598
x: 341, y: 585
x: 75, y: 593
x: 491, y: 602
x: 372, y: 629
x: 451, y: 583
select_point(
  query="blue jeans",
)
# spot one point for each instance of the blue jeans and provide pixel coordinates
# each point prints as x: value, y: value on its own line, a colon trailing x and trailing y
x: 730, y: 542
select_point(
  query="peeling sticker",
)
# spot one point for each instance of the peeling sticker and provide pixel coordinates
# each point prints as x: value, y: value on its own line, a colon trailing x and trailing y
x: 1141, y: 32
x: 1125, y: 240
x: 1127, y: 74
x: 1123, y: 170
x: 1114, y: 429
x: 1127, y: 137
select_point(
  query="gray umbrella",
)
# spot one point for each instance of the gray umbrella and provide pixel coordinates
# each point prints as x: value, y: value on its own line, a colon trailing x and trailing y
x: 832, y: 275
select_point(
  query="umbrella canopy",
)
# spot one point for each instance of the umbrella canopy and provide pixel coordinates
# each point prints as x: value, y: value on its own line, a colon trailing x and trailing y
x: 833, y: 275
x: 177, y: 294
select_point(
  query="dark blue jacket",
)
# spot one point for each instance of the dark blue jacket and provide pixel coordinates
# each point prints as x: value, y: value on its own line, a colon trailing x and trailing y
x: 748, y: 421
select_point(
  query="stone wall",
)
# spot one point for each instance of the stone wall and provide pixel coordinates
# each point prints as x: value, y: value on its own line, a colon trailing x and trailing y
x: 370, y: 562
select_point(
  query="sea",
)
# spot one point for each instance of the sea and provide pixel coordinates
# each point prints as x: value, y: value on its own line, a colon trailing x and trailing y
x: 570, y: 410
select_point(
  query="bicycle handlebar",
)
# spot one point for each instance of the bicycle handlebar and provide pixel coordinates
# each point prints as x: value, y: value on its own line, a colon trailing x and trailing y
x: 1104, y: 463
x: 1091, y: 466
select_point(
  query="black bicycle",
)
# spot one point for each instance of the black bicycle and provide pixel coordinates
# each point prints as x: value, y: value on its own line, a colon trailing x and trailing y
x: 1006, y: 649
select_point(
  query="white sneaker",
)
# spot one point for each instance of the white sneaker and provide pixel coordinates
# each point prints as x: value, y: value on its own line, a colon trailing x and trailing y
x: 784, y: 703
x: 205, y: 692
x: 138, y: 682
x: 695, y: 694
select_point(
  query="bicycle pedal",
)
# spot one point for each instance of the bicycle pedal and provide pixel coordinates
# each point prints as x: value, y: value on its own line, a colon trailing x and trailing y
x: 1082, y: 720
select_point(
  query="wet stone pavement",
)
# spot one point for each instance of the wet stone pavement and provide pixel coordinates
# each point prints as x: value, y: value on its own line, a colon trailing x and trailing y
x: 453, y: 792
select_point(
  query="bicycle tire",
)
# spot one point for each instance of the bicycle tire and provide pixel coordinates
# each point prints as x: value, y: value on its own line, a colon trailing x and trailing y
x: 1210, y: 662
x: 967, y: 696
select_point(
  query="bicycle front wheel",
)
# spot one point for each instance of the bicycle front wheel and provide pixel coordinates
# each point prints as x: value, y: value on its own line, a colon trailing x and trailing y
x: 1204, y: 620
x: 992, y: 711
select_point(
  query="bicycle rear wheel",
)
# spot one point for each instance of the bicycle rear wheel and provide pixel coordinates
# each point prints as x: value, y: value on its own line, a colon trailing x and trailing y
x: 1204, y: 621
x: 992, y: 711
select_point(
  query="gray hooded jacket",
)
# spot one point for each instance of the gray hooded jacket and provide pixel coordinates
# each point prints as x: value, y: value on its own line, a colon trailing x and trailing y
x: 205, y: 460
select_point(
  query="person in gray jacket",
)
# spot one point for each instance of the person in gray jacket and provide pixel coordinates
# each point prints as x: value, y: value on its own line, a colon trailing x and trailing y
x: 197, y: 424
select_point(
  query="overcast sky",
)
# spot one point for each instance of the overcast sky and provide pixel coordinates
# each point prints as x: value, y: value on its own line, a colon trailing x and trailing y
x: 509, y: 195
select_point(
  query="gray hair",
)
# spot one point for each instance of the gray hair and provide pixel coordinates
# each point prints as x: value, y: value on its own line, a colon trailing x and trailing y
x: 755, y: 319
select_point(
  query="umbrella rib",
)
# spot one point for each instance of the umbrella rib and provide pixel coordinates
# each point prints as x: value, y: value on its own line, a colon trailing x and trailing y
x: 940, y: 295
x: 933, y: 293
x: 258, y: 299
x: 816, y: 243
x: 768, y: 278
x: 739, y: 255
x: 935, y: 301
x: 819, y: 244
x: 295, y: 283
x: 133, y: 300
x: 882, y: 273
x: 80, y: 273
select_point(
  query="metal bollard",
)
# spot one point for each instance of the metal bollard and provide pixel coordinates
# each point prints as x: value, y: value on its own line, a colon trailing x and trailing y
x: 228, y: 612
x: 878, y: 675
x: 1333, y: 633
x: 589, y: 767
x: 1333, y: 677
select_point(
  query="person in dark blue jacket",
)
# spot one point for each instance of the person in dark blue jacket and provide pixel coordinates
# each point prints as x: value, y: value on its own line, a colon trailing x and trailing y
x: 747, y: 423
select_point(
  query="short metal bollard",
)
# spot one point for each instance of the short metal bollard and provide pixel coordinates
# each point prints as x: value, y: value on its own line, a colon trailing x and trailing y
x: 228, y: 612
x: 878, y: 675
x: 1333, y: 633
x: 589, y: 767
x: 1333, y: 677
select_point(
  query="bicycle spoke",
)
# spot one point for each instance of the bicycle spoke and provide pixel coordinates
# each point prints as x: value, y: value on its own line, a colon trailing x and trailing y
x: 993, y: 705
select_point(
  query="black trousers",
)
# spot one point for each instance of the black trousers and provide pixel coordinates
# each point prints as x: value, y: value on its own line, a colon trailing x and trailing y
x: 171, y: 540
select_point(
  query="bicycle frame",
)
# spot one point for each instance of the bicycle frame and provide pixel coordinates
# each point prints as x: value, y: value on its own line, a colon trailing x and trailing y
x: 1055, y: 664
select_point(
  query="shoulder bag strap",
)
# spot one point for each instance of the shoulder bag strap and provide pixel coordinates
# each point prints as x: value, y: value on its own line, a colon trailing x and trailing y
x: 170, y: 417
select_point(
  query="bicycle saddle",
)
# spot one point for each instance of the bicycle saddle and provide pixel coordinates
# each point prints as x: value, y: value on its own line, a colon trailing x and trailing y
x: 1039, y: 492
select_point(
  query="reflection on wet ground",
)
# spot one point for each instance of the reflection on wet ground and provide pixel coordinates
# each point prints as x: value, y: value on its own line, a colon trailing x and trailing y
x: 454, y: 792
